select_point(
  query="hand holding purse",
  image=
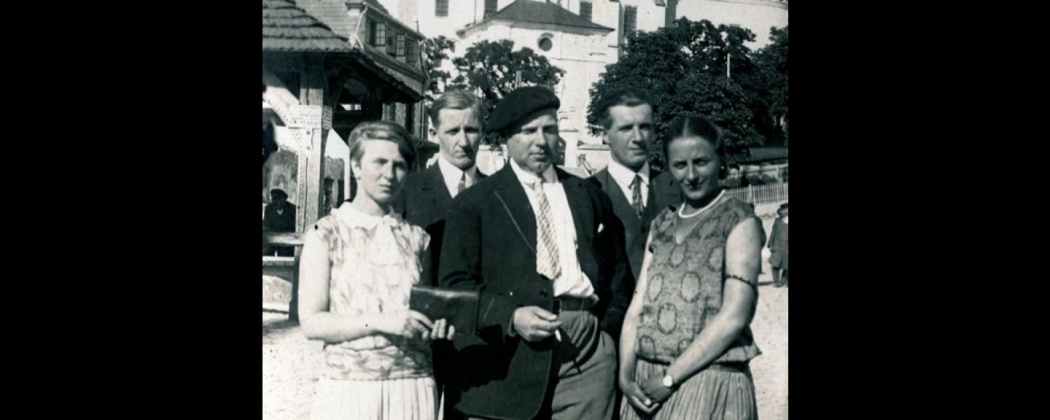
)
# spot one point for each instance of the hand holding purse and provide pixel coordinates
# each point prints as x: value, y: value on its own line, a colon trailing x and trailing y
x: 459, y: 307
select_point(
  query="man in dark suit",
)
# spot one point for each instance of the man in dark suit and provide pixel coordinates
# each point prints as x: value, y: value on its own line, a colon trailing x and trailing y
x: 545, y: 251
x: 638, y: 192
x: 457, y: 118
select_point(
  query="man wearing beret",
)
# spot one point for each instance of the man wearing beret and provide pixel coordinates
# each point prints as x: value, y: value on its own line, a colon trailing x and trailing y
x: 546, y: 252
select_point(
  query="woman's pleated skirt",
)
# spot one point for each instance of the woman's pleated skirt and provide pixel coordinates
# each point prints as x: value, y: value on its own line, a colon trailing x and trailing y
x: 711, y: 394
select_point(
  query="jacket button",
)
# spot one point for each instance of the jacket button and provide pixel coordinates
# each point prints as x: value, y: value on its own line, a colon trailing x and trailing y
x: 543, y: 293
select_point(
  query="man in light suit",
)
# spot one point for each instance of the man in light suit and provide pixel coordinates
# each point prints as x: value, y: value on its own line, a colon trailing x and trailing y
x: 545, y: 251
x: 638, y: 192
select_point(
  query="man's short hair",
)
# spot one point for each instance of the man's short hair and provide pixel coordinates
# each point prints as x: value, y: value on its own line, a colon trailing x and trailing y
x: 629, y: 96
x: 457, y: 99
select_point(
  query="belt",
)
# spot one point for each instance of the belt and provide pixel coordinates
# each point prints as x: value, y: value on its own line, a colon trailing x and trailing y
x: 729, y: 366
x: 568, y: 303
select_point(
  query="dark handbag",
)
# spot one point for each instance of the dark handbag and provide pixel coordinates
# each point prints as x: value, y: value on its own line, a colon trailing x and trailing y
x: 459, y: 307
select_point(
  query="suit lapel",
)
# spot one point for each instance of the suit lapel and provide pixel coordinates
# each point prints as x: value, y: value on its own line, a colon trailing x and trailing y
x: 512, y: 195
x: 434, y: 186
x: 579, y: 205
x: 620, y: 203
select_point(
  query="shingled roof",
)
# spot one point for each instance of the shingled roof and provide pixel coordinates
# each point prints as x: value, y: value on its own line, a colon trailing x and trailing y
x: 543, y: 12
x: 289, y: 28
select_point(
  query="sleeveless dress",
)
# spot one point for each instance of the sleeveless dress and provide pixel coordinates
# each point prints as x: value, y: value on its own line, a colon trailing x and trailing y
x: 374, y: 263
x: 683, y: 294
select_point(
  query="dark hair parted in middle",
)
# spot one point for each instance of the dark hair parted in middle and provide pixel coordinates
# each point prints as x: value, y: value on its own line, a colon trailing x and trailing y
x: 696, y: 126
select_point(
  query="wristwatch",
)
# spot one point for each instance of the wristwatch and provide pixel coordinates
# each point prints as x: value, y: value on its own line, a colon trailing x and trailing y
x: 668, y: 381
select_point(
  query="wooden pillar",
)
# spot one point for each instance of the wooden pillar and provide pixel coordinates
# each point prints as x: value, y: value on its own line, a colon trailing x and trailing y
x: 312, y: 132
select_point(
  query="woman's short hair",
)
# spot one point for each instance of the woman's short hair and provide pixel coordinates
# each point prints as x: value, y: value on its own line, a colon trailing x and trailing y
x: 381, y: 130
x: 696, y: 126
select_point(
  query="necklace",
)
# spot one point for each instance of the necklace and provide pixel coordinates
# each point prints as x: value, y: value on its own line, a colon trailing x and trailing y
x: 681, y: 210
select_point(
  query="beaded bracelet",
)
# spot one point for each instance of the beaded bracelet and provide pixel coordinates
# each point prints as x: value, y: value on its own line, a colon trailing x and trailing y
x: 734, y: 276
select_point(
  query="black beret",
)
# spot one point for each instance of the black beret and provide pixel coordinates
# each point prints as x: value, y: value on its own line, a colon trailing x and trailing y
x: 519, y: 104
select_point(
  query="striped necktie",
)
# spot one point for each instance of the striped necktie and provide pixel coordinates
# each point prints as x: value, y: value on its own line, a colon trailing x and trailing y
x: 546, y: 245
x: 636, y: 195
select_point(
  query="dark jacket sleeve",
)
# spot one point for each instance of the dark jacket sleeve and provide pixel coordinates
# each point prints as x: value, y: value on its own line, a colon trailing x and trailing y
x: 612, y: 245
x: 461, y: 267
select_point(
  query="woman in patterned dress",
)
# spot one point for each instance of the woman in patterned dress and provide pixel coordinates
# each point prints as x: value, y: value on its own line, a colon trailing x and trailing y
x: 686, y: 340
x: 357, y: 268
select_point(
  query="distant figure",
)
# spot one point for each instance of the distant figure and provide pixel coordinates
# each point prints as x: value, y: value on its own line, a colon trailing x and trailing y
x: 778, y: 246
x: 279, y: 217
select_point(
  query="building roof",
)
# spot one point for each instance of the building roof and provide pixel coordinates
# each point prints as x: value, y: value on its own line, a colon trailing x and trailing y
x: 371, y: 3
x: 289, y: 28
x: 543, y: 12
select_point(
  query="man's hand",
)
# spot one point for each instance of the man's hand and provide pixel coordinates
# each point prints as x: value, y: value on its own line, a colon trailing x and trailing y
x: 533, y: 323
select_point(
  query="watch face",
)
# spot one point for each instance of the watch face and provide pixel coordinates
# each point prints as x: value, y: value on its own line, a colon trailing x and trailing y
x: 668, y: 382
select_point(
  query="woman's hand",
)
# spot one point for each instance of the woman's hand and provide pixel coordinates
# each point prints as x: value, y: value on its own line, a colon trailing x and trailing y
x: 641, y: 402
x: 409, y: 324
x: 442, y: 331
x: 655, y: 389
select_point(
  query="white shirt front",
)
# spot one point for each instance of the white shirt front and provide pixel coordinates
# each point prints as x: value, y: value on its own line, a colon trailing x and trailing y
x: 451, y: 174
x: 571, y: 281
x: 624, y: 176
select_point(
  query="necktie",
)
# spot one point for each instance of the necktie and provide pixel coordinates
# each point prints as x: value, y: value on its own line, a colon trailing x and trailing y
x: 546, y: 246
x: 636, y: 195
x: 462, y: 183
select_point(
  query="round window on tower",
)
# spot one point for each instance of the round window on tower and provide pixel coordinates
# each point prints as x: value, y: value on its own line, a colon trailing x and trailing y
x: 545, y: 42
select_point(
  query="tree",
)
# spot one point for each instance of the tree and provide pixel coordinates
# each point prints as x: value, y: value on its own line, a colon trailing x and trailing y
x: 435, y: 51
x: 683, y: 67
x: 491, y: 70
x: 487, y: 69
x: 770, y: 80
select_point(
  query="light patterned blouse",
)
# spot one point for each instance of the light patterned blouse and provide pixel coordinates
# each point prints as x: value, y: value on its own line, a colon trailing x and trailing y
x: 374, y: 263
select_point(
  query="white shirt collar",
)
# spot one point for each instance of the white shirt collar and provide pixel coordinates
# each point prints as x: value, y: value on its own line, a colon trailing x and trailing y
x: 625, y: 176
x: 528, y: 178
x: 451, y: 174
